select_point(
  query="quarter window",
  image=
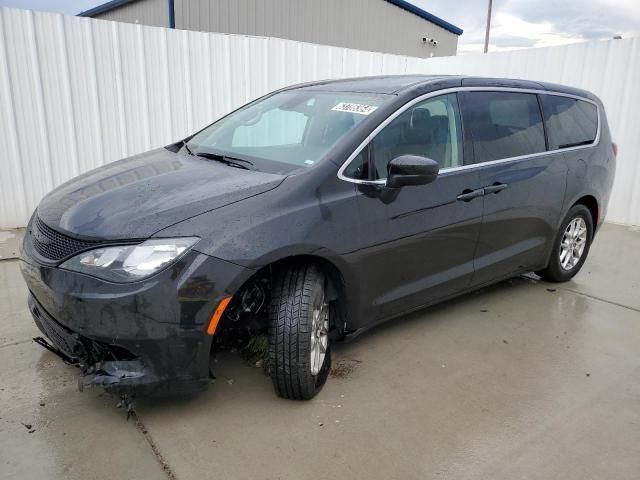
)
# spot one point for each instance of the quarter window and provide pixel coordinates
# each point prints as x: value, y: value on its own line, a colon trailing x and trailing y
x: 503, y: 124
x: 570, y: 122
x: 428, y: 129
x: 359, y: 167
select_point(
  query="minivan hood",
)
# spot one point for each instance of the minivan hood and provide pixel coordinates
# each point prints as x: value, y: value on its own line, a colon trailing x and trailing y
x: 138, y: 196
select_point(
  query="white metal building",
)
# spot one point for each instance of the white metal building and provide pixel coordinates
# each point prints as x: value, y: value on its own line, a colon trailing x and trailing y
x: 388, y: 26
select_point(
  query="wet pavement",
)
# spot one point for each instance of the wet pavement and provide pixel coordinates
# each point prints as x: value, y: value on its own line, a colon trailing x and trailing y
x: 9, y: 243
x: 521, y: 380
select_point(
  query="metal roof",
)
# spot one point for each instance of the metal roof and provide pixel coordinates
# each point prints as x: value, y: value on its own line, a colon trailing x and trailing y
x: 379, y: 84
x: 390, y: 84
x: 409, y: 7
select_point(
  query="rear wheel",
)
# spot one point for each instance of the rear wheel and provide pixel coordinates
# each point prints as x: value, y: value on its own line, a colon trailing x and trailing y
x: 571, y: 246
x: 299, y: 333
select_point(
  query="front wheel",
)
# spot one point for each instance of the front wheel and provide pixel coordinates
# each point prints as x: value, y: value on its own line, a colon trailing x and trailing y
x: 299, y: 333
x: 571, y: 246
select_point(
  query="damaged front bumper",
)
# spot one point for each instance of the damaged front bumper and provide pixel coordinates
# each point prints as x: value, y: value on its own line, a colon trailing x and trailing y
x: 138, y: 339
x: 100, y: 364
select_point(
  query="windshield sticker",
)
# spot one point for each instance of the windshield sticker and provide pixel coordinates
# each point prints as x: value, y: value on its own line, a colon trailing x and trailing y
x: 309, y: 162
x: 354, y: 108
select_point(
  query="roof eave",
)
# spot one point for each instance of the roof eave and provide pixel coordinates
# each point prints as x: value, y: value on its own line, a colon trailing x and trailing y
x: 410, y: 7
x: 105, y: 7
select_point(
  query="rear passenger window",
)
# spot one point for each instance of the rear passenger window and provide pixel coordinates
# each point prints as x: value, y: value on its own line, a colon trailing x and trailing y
x: 503, y: 124
x: 570, y: 122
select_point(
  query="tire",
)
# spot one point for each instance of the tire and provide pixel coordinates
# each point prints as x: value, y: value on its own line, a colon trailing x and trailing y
x: 563, y: 265
x: 297, y: 295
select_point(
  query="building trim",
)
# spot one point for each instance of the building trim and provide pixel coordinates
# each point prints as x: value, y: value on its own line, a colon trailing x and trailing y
x: 172, y: 14
x: 105, y: 7
x: 410, y: 7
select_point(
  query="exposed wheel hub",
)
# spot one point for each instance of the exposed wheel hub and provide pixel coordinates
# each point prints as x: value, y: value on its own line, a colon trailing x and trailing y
x: 319, y: 336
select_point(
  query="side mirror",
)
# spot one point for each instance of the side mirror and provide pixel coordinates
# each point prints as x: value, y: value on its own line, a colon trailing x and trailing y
x: 411, y: 170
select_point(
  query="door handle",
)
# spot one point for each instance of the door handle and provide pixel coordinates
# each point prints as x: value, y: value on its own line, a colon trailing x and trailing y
x: 469, y: 194
x: 495, y: 188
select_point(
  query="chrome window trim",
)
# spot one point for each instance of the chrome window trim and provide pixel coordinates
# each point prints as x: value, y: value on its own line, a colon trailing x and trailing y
x: 445, y: 91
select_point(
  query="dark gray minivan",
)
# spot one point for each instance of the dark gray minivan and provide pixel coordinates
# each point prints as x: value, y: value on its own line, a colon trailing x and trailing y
x: 309, y: 215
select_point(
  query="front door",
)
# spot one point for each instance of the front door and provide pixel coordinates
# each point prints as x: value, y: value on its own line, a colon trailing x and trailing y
x: 419, y: 241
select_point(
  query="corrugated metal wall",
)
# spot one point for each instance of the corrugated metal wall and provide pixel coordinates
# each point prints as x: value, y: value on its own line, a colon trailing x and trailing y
x: 76, y: 93
x: 375, y: 25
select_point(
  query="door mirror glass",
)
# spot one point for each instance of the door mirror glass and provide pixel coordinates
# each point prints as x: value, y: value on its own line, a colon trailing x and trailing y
x: 411, y: 170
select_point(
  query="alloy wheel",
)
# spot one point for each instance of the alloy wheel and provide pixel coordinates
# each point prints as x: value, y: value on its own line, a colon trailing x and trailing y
x: 319, y: 336
x: 573, y: 243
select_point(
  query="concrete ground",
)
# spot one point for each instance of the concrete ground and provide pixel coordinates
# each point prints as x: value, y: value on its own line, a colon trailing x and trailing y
x: 522, y: 380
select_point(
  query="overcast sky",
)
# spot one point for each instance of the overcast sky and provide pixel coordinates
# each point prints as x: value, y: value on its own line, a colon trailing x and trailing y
x: 515, y: 24
x: 537, y: 23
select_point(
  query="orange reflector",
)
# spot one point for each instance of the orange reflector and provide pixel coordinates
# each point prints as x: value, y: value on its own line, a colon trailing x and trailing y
x: 215, y: 318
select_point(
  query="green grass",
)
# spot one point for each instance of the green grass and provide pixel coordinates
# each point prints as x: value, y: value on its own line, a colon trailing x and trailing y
x: 257, y: 349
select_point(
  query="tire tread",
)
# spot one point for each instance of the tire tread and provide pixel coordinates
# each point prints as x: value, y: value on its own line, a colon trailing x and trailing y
x: 290, y: 330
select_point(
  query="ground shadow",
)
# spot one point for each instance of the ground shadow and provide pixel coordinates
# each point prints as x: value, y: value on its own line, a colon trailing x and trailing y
x: 230, y: 366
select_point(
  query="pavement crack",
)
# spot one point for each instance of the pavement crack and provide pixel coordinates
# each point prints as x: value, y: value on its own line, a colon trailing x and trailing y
x: 154, y: 447
x: 529, y: 278
x: 13, y: 344
x: 593, y: 297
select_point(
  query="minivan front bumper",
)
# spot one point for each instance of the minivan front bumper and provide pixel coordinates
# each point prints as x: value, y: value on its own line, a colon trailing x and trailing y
x: 143, y: 338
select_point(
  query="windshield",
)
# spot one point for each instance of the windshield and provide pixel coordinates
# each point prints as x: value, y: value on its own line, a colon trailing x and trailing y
x: 287, y: 131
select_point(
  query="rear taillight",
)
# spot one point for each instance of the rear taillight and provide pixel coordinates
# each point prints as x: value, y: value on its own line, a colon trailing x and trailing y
x: 614, y: 146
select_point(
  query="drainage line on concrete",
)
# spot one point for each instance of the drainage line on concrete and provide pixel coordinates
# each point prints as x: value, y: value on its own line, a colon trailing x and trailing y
x: 156, y: 452
x: 527, y: 276
x: 13, y: 344
x: 621, y: 305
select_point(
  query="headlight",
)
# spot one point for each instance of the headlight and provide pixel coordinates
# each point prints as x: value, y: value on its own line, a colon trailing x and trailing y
x: 128, y: 263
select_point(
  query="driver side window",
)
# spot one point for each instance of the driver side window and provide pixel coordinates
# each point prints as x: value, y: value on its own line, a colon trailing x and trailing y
x: 429, y: 129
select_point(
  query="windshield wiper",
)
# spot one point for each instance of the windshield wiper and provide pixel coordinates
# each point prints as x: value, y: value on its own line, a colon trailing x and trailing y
x: 231, y: 161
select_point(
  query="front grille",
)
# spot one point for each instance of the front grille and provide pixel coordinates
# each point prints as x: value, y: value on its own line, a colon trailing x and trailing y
x: 55, y: 245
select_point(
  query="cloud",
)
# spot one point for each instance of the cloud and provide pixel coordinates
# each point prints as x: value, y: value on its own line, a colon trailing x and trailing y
x: 534, y: 23
x: 514, y: 41
x: 581, y: 18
